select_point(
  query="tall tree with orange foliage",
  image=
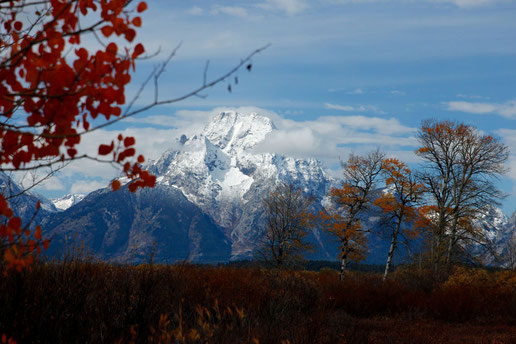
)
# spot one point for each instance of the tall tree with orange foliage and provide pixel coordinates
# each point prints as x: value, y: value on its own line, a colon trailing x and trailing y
x: 399, y: 205
x: 461, y: 166
x: 348, y: 203
x: 53, y: 91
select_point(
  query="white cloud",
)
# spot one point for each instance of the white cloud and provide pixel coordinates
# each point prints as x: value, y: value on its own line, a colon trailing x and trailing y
x: 467, y: 96
x: 512, y: 167
x: 458, y: 3
x: 348, y: 108
x: 476, y: 108
x: 341, y: 2
x: 288, y: 142
x: 339, y: 107
x: 507, y: 109
x: 52, y: 184
x: 357, y: 91
x: 234, y: 11
x: 398, y: 93
x: 85, y: 187
x: 161, y: 120
x: 469, y: 3
x: 36, y: 180
x: 290, y: 7
x: 509, y: 137
x: 293, y: 112
x: 329, y: 138
x: 377, y: 124
x: 195, y: 11
x: 338, y: 89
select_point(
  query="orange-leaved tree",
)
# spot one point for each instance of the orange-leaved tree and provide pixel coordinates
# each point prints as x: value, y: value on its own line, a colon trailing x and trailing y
x: 349, y: 203
x: 399, y: 205
x: 54, y: 89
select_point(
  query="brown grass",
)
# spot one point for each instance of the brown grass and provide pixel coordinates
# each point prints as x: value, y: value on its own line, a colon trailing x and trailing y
x: 87, y: 302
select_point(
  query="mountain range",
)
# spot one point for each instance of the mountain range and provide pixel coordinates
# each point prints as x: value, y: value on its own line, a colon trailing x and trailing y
x: 206, y: 205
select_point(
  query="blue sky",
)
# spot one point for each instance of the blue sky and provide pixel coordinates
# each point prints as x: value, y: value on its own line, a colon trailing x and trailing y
x: 348, y: 75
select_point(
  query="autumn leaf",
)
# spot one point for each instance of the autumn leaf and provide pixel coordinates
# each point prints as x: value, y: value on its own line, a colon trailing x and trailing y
x: 142, y: 6
x: 115, y: 185
x: 137, y: 21
x: 107, y: 30
x: 37, y: 233
x: 106, y: 149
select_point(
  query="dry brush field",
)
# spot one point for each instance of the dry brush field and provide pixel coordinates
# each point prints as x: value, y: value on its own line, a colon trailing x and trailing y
x: 94, y: 302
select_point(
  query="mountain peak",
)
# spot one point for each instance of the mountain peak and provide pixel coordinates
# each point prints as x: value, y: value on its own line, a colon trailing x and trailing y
x: 231, y: 130
x: 220, y: 171
x: 67, y: 201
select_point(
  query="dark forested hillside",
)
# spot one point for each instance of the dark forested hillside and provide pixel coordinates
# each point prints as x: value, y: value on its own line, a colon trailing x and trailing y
x: 126, y: 226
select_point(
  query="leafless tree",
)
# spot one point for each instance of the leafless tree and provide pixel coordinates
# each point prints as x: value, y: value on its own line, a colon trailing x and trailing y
x: 287, y: 223
x: 510, y: 253
x: 461, y: 166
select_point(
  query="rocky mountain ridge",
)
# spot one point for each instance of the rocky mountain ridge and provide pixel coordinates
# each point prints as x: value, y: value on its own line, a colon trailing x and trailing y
x: 66, y: 201
x: 219, y: 171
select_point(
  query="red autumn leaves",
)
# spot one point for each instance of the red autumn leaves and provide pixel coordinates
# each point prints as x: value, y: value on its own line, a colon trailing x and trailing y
x: 124, y: 149
x: 52, y: 88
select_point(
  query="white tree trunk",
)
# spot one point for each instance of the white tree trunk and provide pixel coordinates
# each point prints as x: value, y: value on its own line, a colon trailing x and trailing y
x: 343, y: 266
x: 389, y: 258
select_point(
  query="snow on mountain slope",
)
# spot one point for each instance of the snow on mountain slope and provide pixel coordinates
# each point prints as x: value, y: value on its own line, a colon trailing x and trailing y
x: 23, y: 202
x: 219, y: 171
x: 67, y: 201
x: 493, y: 223
x: 499, y: 231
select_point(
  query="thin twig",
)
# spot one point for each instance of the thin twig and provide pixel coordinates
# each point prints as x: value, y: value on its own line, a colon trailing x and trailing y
x: 190, y: 94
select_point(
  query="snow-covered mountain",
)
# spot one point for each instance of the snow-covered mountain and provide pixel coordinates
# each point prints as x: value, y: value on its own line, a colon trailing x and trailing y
x: 206, y: 205
x: 24, y: 202
x: 499, y: 230
x: 220, y: 171
x: 65, y: 202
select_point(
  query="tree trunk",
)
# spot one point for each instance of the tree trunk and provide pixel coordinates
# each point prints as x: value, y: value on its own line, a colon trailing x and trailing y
x: 449, y: 250
x: 389, y: 258
x: 343, y: 266
x: 391, y: 249
x: 453, y: 233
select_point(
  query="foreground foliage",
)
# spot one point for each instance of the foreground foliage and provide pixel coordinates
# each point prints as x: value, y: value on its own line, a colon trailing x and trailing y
x: 96, y: 302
